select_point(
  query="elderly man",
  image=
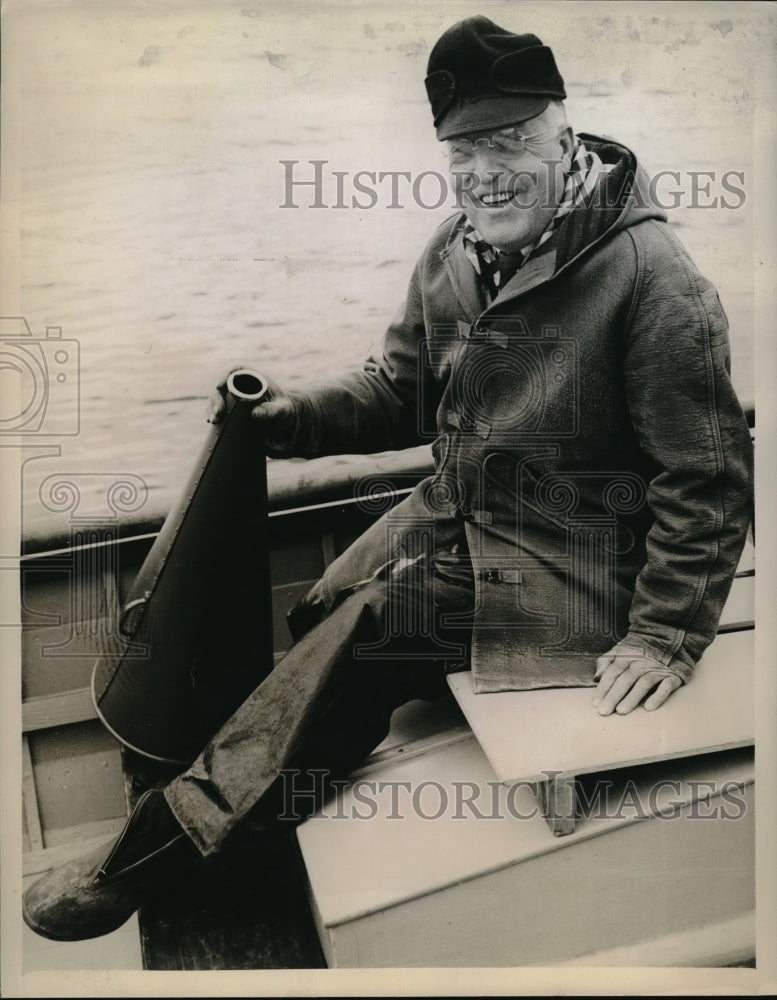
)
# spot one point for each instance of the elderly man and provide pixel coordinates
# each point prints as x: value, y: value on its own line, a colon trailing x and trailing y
x: 592, y: 479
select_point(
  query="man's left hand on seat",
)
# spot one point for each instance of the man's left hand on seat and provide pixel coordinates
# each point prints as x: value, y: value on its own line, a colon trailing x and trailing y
x: 626, y: 674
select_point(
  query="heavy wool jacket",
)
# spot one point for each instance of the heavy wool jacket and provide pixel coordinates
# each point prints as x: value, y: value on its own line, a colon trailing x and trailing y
x: 585, y: 430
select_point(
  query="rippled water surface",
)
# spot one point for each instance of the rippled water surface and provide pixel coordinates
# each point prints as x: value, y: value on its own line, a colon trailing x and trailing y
x: 151, y: 187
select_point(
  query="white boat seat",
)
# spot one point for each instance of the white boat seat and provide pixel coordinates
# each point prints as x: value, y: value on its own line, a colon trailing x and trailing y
x: 552, y: 735
x: 403, y: 872
x: 392, y: 883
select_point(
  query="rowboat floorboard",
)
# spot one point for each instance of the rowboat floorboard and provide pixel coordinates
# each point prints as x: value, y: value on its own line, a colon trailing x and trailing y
x: 241, y: 910
x: 244, y: 908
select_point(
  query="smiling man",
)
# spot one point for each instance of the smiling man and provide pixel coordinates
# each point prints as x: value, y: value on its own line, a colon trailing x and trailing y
x: 592, y: 483
x: 511, y: 181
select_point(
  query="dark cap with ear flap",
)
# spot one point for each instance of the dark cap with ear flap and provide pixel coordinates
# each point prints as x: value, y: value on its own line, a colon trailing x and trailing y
x: 480, y: 76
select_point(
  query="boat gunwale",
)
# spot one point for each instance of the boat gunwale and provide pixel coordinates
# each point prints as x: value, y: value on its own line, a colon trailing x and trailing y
x: 294, y: 487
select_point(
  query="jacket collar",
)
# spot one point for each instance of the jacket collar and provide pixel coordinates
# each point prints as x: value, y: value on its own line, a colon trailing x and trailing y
x: 626, y: 203
x: 466, y: 284
x: 462, y: 275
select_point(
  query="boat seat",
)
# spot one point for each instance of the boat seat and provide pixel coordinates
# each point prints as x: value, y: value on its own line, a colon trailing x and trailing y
x: 453, y: 826
x: 552, y: 735
x: 432, y: 861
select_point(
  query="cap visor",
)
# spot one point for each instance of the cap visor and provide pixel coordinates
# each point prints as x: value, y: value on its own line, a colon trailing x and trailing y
x: 490, y: 112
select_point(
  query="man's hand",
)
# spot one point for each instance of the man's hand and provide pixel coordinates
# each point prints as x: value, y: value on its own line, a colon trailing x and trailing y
x: 625, y: 675
x: 275, y: 412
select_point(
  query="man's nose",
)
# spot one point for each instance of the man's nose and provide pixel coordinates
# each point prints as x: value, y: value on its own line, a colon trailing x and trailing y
x: 488, y: 170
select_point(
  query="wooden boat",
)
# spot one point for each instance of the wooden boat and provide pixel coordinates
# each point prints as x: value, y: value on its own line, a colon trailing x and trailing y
x: 543, y: 882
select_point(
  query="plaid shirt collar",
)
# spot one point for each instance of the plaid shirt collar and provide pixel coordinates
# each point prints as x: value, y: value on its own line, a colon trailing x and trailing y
x: 584, y: 173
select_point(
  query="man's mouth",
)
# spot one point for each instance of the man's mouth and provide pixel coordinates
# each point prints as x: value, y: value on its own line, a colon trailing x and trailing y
x: 499, y: 199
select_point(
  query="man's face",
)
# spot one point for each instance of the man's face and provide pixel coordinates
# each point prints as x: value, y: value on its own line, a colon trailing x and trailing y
x: 511, y: 193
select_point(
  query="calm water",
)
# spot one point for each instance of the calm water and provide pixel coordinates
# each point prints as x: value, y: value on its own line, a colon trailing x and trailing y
x: 151, y: 186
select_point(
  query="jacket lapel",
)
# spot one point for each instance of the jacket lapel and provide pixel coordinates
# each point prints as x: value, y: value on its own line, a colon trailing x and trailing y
x: 466, y: 285
x: 464, y: 279
x: 535, y: 271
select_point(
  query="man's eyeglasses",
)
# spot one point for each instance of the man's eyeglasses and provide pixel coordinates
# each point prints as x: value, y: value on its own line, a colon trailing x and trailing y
x: 506, y: 143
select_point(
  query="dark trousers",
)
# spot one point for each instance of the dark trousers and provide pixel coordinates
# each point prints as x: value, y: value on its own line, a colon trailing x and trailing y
x: 362, y: 650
